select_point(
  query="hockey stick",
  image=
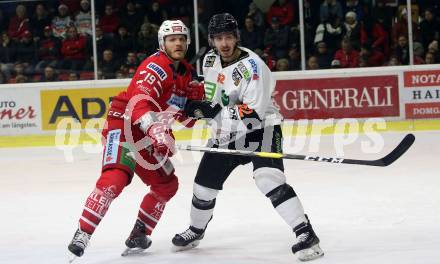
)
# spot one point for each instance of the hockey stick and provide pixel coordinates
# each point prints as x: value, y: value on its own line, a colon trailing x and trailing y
x: 198, y: 55
x: 403, y: 146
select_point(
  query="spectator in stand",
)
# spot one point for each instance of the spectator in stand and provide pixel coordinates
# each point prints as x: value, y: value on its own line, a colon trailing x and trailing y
x: 347, y: 56
x: 7, y: 55
x: 26, y: 52
x: 376, y: 34
x: 131, y: 61
x: 18, y: 73
x: 283, y: 10
x: 83, y: 20
x: 146, y: 42
x: 20, y: 78
x: 384, y: 14
x: 122, y: 43
x: 48, y: 51
x: 330, y: 32
x: 330, y: 8
x: 433, y: 48
x: 102, y: 42
x: 430, y: 58
x: 276, y: 39
x: 121, y: 75
x: 4, y: 21
x: 294, y: 57
x: 131, y: 18
x: 256, y: 14
x: 402, y: 50
x: 429, y: 28
x: 419, y: 53
x: 353, y: 31
x: 394, y: 61
x: 401, y: 28
x: 49, y: 75
x: 324, y: 57
x: 156, y: 14
x: 371, y: 57
x: 109, y: 22
x: 356, y: 7
x: 73, y: 50
x: 282, y: 65
x: 251, y: 36
x: 61, y: 22
x: 312, y: 63
x: 108, y: 65
x: 39, y: 21
x: 18, y: 23
x: 73, y: 5
x: 73, y: 76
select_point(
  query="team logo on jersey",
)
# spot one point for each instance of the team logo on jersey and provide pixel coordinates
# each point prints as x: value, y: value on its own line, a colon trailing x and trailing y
x: 177, y: 101
x: 210, y: 90
x: 111, y: 147
x: 157, y: 69
x: 209, y: 62
x: 244, y: 70
x: 254, y: 69
x: 236, y: 76
x: 233, y: 113
x: 221, y: 78
x: 225, y: 98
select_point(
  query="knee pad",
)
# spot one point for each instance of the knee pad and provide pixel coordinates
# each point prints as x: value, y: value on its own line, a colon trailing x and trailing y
x: 268, y: 179
x: 112, y: 182
x: 166, y: 191
x: 204, y: 197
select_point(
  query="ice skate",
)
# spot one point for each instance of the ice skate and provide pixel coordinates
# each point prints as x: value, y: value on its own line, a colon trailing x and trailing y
x: 138, y: 241
x: 188, y: 239
x: 307, y: 247
x: 78, y: 244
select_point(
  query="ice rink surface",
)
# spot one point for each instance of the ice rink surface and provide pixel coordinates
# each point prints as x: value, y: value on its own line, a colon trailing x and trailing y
x: 361, y: 214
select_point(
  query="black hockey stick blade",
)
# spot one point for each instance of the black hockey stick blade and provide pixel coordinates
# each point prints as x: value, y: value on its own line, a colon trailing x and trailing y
x: 403, y: 146
x: 396, y: 153
x: 198, y: 55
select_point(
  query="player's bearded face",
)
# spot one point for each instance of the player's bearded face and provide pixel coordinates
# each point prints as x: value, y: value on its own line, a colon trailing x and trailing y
x: 175, y: 46
x: 225, y: 44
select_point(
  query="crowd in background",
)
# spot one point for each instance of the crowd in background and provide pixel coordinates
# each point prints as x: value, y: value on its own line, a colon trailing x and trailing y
x: 52, y: 40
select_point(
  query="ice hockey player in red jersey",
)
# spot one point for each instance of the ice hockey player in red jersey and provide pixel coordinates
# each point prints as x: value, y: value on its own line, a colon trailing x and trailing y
x: 138, y: 139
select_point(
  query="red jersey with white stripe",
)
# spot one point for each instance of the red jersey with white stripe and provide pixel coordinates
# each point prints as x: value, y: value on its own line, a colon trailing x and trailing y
x: 157, y: 86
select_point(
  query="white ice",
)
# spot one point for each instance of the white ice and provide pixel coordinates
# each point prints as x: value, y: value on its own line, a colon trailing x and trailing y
x: 361, y: 214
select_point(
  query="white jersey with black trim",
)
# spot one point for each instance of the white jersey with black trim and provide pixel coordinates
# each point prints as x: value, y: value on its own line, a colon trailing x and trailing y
x: 244, y: 88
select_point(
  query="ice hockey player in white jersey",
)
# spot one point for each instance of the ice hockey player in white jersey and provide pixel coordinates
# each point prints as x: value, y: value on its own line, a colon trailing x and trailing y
x: 240, y: 110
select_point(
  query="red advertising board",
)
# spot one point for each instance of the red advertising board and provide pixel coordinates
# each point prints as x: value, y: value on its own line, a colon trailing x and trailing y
x: 349, y: 97
x: 421, y: 78
x: 422, y: 110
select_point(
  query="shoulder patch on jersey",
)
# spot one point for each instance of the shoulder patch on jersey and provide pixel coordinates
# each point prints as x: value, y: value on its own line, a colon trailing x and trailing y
x: 254, y: 69
x: 157, y: 69
x: 244, y: 70
x: 236, y: 76
x: 209, y: 62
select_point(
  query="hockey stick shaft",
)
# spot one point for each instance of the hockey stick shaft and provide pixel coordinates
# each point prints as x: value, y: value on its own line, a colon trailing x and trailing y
x: 396, y: 153
x: 198, y: 55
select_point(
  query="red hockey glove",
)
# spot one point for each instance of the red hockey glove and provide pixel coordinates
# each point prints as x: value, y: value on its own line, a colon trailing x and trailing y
x: 195, y: 91
x: 162, y: 139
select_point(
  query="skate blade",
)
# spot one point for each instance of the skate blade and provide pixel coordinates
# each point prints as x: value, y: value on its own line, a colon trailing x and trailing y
x: 71, y: 257
x: 311, y: 253
x: 187, y: 247
x: 132, y: 251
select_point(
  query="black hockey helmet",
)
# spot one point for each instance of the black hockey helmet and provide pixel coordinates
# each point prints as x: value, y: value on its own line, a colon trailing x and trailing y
x: 221, y: 23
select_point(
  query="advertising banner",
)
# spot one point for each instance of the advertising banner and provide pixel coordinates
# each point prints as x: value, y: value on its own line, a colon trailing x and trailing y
x: 19, y: 112
x: 79, y: 104
x: 421, y: 94
x: 345, y: 97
